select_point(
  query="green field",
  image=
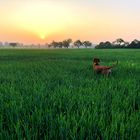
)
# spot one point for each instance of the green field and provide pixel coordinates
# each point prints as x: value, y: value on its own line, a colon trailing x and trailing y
x: 55, y: 95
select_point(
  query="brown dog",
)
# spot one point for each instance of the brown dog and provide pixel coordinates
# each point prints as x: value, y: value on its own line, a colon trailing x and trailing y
x: 105, y: 70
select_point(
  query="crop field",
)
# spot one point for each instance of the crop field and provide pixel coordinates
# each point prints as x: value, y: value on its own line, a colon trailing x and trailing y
x: 55, y: 95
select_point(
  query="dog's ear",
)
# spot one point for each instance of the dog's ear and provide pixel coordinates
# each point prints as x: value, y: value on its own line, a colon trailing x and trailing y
x: 96, y: 60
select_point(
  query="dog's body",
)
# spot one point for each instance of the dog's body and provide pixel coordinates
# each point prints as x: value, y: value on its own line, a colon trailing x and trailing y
x: 105, y: 70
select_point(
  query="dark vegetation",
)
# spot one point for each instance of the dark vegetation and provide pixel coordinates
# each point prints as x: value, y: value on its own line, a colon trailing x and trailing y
x: 66, y: 43
x: 119, y: 43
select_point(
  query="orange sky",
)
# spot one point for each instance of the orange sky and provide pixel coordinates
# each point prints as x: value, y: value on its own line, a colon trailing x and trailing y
x: 41, y: 21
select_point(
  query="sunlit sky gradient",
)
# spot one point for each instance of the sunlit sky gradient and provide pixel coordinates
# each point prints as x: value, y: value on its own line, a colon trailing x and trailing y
x: 40, y: 21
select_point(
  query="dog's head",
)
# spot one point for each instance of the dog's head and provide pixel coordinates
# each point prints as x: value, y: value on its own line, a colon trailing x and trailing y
x: 96, y: 61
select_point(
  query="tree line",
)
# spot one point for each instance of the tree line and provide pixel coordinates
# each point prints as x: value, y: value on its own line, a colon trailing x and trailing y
x: 66, y: 43
x: 119, y: 43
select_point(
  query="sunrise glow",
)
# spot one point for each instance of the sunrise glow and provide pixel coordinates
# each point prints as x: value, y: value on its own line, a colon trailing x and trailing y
x: 37, y: 21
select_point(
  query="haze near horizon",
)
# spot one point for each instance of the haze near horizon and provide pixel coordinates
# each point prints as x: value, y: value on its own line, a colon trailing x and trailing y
x: 41, y: 21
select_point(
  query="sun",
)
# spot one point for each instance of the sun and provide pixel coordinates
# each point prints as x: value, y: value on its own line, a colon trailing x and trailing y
x: 42, y: 37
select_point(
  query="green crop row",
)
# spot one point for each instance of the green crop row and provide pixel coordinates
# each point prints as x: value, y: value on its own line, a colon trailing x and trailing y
x: 54, y: 94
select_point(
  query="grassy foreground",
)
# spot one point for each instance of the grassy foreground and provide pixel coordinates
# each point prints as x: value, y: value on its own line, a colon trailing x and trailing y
x: 54, y: 94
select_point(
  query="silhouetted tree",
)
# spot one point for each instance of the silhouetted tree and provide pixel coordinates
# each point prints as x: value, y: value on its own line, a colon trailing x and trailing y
x: 60, y: 44
x: 13, y: 44
x: 78, y: 43
x: 54, y: 44
x: 134, y: 44
x: 126, y: 45
x: 49, y: 45
x: 66, y: 43
x: 118, y: 42
x: 104, y: 45
x: 87, y: 43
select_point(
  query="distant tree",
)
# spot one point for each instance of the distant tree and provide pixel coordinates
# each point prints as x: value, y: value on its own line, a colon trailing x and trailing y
x: 104, y: 45
x: 69, y: 40
x: 108, y: 44
x: 134, y: 44
x: 49, y: 45
x: 54, y: 44
x: 13, y: 44
x: 60, y: 44
x: 87, y: 43
x: 100, y: 45
x: 78, y: 43
x: 119, y: 42
x: 126, y: 45
x: 136, y: 41
x: 66, y: 43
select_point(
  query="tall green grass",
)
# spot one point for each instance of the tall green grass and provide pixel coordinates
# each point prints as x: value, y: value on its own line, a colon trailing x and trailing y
x: 54, y: 94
